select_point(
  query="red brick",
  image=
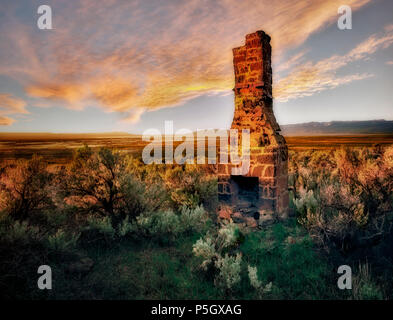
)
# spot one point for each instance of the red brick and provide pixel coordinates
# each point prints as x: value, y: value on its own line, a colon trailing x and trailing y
x: 254, y: 110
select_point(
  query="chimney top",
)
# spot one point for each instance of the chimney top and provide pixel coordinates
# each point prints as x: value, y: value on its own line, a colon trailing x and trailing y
x: 258, y: 34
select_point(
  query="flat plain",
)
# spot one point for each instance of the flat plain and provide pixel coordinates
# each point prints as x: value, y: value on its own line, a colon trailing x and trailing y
x: 58, y: 148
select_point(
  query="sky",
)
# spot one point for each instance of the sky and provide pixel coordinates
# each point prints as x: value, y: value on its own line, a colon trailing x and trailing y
x: 125, y: 65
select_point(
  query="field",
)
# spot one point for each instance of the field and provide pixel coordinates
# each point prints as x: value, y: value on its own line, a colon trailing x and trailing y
x: 298, y: 143
x: 58, y: 148
x: 111, y: 227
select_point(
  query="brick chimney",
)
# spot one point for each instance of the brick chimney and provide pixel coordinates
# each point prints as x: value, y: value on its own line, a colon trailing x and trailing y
x: 265, y: 186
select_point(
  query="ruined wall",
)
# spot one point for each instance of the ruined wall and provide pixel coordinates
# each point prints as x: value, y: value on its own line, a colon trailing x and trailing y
x: 254, y: 110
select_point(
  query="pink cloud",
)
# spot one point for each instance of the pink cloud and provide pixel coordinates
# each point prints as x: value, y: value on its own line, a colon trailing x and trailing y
x: 133, y: 55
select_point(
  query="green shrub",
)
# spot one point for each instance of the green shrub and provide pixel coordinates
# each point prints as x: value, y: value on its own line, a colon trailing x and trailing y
x: 169, y: 224
x: 20, y: 232
x: 193, y: 219
x: 126, y: 227
x: 364, y: 288
x: 344, y: 197
x: 191, y: 186
x: 103, y: 225
x: 306, y: 202
x: 256, y: 283
x: 99, y: 231
x: 284, y: 256
x: 229, y: 268
x: 62, y: 241
x: 220, y: 256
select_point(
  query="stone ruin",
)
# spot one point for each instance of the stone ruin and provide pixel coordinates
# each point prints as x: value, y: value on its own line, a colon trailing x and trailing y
x: 262, y: 193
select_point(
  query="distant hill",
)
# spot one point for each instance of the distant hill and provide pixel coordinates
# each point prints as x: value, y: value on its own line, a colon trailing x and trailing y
x: 299, y: 129
x: 338, y: 128
x: 48, y: 136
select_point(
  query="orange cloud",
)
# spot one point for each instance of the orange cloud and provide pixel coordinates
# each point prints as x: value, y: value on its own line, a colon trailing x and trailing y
x: 116, y: 94
x: 132, y: 56
x: 5, y: 121
x: 70, y: 93
x: 10, y: 105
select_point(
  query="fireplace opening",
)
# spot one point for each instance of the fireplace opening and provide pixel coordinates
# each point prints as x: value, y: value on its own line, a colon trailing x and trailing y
x: 247, y: 188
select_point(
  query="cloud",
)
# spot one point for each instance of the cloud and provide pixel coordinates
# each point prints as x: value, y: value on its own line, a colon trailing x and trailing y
x: 371, y: 45
x: 312, y: 77
x: 145, y: 55
x: 5, y: 121
x: 70, y: 93
x: 291, y: 62
x: 10, y: 105
x: 389, y: 27
x: 307, y: 82
x: 133, y: 115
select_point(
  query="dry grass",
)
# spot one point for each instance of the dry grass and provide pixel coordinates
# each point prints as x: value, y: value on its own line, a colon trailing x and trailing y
x: 58, y: 148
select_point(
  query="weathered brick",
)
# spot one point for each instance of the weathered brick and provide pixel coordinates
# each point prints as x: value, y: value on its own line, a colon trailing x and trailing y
x: 270, y: 171
x: 268, y: 158
x: 254, y: 110
x: 257, y: 171
x: 222, y: 169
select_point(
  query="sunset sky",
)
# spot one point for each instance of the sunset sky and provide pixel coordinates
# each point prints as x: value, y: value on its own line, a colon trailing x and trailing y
x: 125, y: 65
